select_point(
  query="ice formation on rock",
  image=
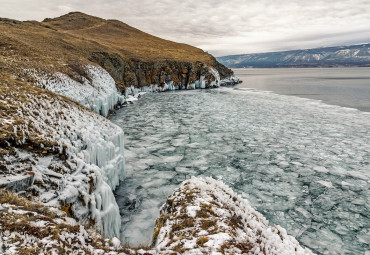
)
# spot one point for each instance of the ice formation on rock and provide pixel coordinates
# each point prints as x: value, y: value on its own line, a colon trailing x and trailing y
x: 230, y: 81
x: 204, y: 216
x: 98, y: 92
x: 215, y: 73
x: 95, y: 158
x: 198, y: 84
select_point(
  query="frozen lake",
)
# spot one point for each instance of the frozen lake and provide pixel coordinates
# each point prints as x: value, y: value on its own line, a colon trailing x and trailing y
x: 348, y: 87
x: 303, y: 164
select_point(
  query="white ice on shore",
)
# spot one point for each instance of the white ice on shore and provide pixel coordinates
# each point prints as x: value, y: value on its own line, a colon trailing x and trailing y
x: 215, y: 73
x: 169, y: 86
x: 98, y: 93
x: 42, y: 230
x: 95, y: 158
x: 229, y: 81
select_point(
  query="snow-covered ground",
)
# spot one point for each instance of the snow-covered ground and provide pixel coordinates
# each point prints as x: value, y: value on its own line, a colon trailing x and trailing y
x: 204, y: 216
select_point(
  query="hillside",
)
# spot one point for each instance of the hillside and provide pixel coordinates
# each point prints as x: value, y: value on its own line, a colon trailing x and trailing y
x: 131, y: 56
x: 355, y: 55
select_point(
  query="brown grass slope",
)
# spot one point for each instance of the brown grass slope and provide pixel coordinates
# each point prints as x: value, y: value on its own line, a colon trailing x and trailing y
x: 79, y: 38
x: 126, y: 40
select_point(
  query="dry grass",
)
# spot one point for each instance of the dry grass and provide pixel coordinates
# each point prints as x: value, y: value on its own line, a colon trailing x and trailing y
x: 202, y: 240
x: 205, y: 211
x: 75, y: 37
x: 7, y: 197
x: 13, y: 94
x: 126, y: 40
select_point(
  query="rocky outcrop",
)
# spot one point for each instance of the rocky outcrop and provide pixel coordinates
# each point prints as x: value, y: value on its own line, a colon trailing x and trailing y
x: 204, y: 216
x: 139, y: 74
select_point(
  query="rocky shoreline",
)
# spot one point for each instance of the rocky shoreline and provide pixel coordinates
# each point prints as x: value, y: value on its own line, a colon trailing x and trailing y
x: 81, y: 196
x: 58, y: 149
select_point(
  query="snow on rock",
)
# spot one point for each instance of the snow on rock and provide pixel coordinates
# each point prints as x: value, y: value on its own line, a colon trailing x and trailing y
x: 97, y: 92
x: 94, y: 151
x: 232, y: 80
x: 204, y: 216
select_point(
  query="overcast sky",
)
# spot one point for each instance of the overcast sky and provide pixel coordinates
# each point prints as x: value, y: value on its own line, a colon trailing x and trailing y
x: 222, y: 27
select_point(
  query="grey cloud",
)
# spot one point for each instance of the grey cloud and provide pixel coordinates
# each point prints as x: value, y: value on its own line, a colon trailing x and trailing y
x: 222, y: 27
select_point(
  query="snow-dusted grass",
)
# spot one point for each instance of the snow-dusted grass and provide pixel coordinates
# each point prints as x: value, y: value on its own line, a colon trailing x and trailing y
x: 27, y: 227
x: 204, y: 216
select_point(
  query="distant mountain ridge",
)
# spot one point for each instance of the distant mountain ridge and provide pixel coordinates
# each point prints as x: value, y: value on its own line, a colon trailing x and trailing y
x: 354, y: 55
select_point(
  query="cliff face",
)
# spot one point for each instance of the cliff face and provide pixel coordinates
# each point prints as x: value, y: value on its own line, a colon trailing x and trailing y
x: 139, y: 74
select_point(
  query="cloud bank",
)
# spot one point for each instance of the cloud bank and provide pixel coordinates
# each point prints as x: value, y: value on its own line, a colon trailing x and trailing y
x: 222, y: 27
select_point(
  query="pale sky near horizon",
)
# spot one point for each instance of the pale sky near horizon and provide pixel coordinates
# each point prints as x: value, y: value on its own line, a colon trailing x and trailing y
x: 222, y: 27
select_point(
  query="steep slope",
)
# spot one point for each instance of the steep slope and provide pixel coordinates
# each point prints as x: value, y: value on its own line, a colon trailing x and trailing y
x: 124, y: 39
x: 355, y: 55
x: 132, y: 57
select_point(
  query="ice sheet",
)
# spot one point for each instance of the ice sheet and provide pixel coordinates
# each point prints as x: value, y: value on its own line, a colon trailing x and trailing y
x: 303, y: 164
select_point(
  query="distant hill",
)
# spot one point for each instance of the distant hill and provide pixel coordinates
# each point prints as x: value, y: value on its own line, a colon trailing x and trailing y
x: 354, y: 55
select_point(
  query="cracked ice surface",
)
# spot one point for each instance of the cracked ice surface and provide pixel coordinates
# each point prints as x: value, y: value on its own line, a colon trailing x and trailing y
x: 303, y: 164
